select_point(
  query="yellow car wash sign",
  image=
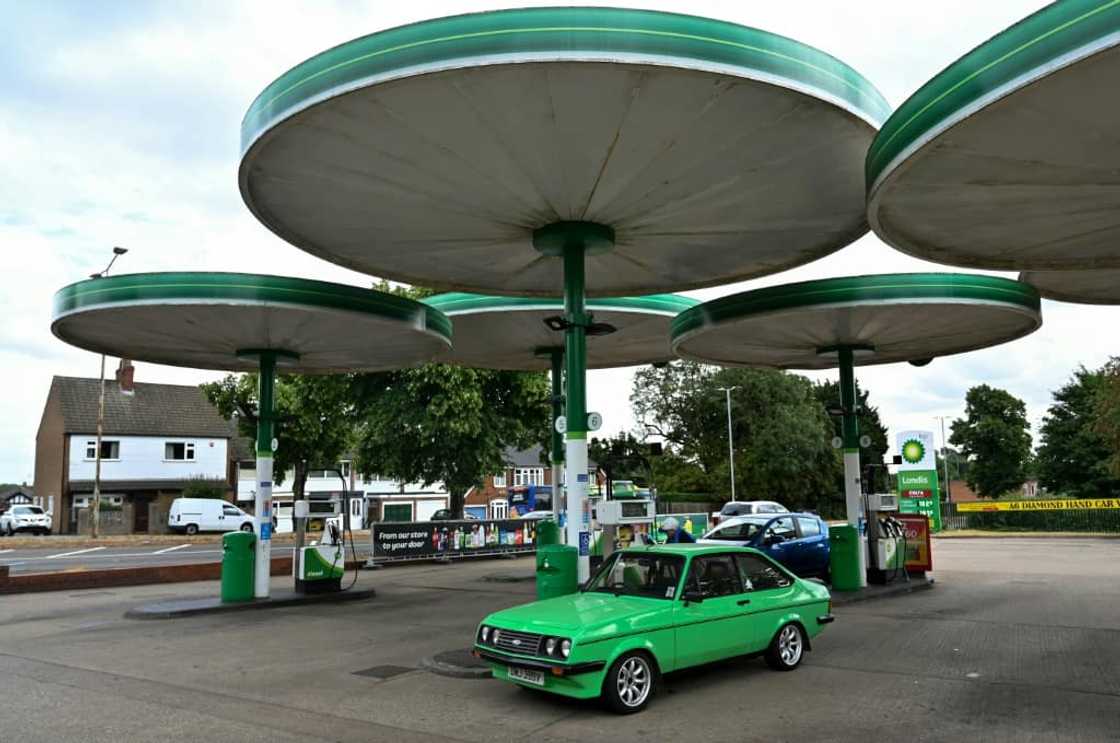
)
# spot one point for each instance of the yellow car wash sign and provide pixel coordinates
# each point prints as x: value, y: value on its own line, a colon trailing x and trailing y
x: 1077, y: 504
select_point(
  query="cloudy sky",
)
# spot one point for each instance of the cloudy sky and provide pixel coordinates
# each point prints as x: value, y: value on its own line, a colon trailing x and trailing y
x: 119, y: 125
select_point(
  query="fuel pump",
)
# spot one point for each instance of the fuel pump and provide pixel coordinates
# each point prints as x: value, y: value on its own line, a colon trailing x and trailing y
x: 322, y: 565
x: 885, y: 538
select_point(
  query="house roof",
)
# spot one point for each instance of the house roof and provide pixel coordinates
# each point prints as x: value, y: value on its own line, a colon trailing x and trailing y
x: 531, y: 457
x: 151, y: 410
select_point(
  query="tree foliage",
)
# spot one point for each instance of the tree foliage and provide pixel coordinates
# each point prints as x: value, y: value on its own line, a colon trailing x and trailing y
x: 314, y: 420
x: 1106, y: 423
x: 1073, y: 458
x: 781, y: 432
x: 994, y: 436
x: 441, y: 423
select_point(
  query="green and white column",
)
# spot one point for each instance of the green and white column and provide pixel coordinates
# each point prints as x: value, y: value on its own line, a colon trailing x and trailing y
x: 849, y: 434
x: 556, y: 451
x: 573, y: 242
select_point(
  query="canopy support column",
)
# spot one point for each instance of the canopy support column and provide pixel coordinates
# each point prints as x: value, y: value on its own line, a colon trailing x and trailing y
x: 556, y: 451
x: 578, y: 528
x: 263, y: 502
x: 849, y: 429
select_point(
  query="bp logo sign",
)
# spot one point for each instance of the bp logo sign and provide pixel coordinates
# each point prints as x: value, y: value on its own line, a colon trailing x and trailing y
x: 913, y: 451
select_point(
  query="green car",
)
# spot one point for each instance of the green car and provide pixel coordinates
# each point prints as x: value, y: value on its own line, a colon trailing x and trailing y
x: 651, y: 610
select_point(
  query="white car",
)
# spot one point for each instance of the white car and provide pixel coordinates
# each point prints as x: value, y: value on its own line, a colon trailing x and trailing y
x: 538, y: 515
x: 746, y: 508
x: 192, y: 515
x: 30, y: 519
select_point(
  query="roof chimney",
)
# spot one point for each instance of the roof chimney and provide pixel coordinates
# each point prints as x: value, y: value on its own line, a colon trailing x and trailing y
x: 125, y: 372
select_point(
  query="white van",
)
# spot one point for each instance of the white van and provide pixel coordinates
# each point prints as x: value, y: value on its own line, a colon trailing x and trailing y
x: 192, y: 515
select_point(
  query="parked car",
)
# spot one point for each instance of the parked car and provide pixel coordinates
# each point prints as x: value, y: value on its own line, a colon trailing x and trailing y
x: 746, y: 508
x: 192, y: 515
x: 653, y: 610
x: 444, y: 514
x: 799, y: 541
x: 538, y: 515
x: 30, y: 519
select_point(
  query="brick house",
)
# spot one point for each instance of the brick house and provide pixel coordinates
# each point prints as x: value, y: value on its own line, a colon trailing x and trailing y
x: 527, y: 471
x: 156, y: 439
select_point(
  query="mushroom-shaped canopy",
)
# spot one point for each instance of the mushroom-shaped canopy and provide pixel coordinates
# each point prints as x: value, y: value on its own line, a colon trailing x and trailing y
x: 1007, y: 159
x: 225, y: 320
x: 430, y: 153
x: 883, y: 319
x: 511, y: 333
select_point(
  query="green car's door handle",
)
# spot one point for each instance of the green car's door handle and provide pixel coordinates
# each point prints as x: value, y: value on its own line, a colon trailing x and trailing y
x: 743, y: 602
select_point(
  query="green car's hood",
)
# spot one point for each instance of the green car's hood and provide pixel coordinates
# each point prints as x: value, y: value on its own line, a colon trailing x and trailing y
x: 584, y: 615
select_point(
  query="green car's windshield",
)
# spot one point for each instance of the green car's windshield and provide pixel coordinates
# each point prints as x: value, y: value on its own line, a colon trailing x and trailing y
x: 639, y: 574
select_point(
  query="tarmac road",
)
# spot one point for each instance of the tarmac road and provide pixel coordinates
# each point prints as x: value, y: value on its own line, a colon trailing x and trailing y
x: 59, y: 559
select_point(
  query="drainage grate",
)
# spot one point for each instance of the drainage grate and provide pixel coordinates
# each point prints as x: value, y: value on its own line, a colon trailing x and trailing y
x: 384, y: 672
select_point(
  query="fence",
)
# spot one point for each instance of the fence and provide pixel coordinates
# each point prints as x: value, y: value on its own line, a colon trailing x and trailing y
x: 1073, y: 515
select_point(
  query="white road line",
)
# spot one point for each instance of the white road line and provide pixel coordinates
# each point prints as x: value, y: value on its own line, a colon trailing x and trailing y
x: 5, y: 551
x: 170, y: 549
x: 76, y: 552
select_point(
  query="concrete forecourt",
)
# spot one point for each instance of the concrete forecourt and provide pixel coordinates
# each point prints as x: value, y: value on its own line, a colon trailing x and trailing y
x: 1015, y: 644
x: 249, y: 322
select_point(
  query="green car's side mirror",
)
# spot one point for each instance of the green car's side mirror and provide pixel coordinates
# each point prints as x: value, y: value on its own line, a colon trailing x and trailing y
x: 692, y: 597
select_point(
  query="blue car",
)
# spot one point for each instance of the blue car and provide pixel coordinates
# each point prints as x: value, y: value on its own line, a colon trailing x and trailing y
x: 799, y: 541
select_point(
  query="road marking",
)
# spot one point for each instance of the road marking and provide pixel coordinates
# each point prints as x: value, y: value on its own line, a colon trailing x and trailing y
x: 170, y: 549
x: 76, y: 552
x: 5, y: 551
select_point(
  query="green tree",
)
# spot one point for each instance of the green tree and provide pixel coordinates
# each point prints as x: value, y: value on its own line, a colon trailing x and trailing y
x: 1106, y: 423
x: 781, y: 433
x: 625, y: 456
x: 994, y: 436
x: 314, y: 417
x: 200, y: 487
x: 828, y: 394
x: 449, y: 424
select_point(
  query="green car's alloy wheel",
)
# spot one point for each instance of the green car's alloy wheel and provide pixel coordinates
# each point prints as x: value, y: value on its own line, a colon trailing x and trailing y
x: 629, y: 683
x: 786, y: 649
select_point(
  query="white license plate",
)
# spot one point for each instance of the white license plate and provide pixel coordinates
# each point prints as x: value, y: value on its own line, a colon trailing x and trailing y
x: 530, y: 677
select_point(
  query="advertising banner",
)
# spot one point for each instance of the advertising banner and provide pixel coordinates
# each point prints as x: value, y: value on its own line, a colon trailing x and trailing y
x: 425, y: 540
x: 918, y: 491
x: 919, y: 555
x: 1065, y: 504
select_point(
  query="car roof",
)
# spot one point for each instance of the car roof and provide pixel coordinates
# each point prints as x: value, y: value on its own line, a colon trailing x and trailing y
x: 754, y: 517
x: 684, y: 549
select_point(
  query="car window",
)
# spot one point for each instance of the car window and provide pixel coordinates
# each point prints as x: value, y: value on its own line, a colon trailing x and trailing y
x: 735, y: 509
x: 230, y: 511
x: 740, y: 531
x: 639, y: 574
x: 782, y: 527
x: 809, y: 527
x: 714, y: 576
x: 759, y: 574
x: 27, y: 510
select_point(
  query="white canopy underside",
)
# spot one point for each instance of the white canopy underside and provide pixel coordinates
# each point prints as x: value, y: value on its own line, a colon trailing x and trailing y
x: 208, y: 336
x: 509, y: 339
x: 1101, y: 286
x: 1030, y: 181
x: 440, y: 179
x: 898, y: 331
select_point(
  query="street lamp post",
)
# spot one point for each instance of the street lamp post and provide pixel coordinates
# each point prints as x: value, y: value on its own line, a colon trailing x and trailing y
x: 730, y: 440
x: 95, y: 520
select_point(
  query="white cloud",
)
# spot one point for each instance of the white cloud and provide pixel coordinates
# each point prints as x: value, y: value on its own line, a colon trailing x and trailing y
x: 121, y: 127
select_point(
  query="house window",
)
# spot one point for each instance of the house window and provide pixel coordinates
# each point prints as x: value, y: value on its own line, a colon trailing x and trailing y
x: 247, y: 465
x: 528, y: 476
x: 178, y: 451
x: 500, y: 480
x: 499, y: 509
x: 109, y: 449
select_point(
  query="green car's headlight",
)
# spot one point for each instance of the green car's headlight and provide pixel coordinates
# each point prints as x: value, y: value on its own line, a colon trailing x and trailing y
x: 484, y: 633
x: 566, y: 648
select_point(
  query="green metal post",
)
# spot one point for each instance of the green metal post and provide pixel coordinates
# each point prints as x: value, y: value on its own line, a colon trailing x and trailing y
x: 575, y: 399
x: 849, y: 429
x: 557, y: 448
x: 263, y: 503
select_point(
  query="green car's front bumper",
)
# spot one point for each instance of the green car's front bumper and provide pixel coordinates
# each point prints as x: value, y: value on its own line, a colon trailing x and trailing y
x: 579, y: 680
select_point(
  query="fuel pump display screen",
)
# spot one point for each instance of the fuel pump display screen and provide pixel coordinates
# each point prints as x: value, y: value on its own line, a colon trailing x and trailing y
x: 633, y: 510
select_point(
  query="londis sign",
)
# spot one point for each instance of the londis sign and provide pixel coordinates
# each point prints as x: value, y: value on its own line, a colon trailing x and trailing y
x: 1066, y: 504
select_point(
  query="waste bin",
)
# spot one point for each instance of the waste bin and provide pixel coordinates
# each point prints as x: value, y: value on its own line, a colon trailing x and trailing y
x: 844, y: 546
x: 548, y: 532
x: 556, y: 570
x: 238, y: 560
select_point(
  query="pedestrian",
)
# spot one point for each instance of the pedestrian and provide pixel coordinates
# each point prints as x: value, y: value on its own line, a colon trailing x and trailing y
x: 674, y: 534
